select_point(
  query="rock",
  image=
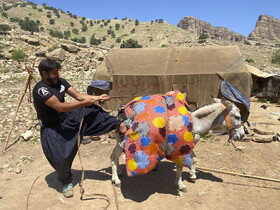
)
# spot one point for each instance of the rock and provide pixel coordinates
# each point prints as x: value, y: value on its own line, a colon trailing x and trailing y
x: 42, y: 52
x: 33, y: 41
x: 198, y: 27
x: 242, y: 148
x: 267, y: 28
x: 6, y: 165
x: 201, y: 193
x: 27, y: 135
x: 264, y: 131
x: 262, y: 138
x: 18, y: 170
x: 70, y: 48
x: 10, y: 169
x: 57, y: 54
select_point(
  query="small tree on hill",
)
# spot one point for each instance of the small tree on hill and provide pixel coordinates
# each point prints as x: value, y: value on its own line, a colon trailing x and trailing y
x: 4, y: 28
x: 130, y: 43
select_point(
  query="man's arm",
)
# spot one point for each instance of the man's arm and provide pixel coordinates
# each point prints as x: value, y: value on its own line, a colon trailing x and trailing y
x: 54, y: 103
x: 80, y: 96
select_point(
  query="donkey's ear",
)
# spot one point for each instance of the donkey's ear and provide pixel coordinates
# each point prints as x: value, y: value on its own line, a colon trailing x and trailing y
x: 215, y: 100
x: 227, y: 103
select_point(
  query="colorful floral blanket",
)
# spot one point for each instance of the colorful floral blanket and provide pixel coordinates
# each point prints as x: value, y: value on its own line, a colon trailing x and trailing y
x: 161, y: 128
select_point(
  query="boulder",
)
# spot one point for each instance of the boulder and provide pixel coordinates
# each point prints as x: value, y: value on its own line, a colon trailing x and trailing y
x: 57, y: 54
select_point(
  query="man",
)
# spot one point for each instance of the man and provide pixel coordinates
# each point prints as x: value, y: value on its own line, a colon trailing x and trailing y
x: 60, y: 120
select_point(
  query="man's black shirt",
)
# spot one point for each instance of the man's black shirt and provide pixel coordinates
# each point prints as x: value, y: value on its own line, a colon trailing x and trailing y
x: 42, y: 92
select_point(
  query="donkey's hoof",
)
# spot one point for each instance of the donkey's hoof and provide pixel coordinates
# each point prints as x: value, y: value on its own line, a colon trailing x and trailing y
x: 183, y: 189
x: 192, y: 180
x: 118, y: 185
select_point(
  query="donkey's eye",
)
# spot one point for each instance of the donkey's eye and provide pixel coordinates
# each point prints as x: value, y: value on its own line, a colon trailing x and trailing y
x: 237, y: 117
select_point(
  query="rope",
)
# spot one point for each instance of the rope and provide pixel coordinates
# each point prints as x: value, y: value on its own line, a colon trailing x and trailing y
x: 238, y: 174
x: 82, y: 191
x: 30, y: 192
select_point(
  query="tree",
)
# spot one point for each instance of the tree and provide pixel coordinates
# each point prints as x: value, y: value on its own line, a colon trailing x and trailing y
x: 84, y: 28
x: 203, y: 36
x: 4, y: 28
x: 4, y: 14
x: 67, y: 34
x: 72, y: 24
x: 49, y: 15
x: 75, y: 31
x: 132, y: 31
x: 91, y: 23
x: 29, y: 25
x: 52, y: 21
x: 136, y: 22
x: 276, y: 57
x: 130, y: 43
x: 117, y: 26
x: 95, y: 41
x: 56, y: 33
x: 118, y: 40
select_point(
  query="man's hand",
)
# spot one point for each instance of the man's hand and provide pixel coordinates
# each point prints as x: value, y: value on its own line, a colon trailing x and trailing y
x: 104, y: 97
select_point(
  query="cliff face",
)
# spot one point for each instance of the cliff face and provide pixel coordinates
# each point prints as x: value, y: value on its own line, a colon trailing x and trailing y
x: 199, y: 27
x: 267, y: 28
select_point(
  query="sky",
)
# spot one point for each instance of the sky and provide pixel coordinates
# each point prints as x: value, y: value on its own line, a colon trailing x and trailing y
x: 238, y: 15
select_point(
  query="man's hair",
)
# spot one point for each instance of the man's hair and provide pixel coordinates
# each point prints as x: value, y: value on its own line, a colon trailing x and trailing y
x: 48, y: 65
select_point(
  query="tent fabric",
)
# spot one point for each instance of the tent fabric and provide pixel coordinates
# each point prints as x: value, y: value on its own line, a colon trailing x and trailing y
x: 100, y: 84
x: 196, y: 70
x: 256, y: 72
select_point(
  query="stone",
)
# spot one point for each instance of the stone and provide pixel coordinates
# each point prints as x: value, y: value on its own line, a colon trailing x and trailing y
x: 70, y: 48
x: 18, y: 170
x: 242, y: 148
x: 10, y: 169
x: 57, y: 54
x: 6, y: 165
x: 41, y: 52
x: 27, y: 135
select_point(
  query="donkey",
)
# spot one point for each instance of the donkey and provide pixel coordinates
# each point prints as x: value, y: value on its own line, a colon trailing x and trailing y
x: 220, y: 114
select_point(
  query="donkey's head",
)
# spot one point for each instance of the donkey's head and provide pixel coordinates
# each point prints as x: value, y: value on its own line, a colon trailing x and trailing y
x: 232, y: 119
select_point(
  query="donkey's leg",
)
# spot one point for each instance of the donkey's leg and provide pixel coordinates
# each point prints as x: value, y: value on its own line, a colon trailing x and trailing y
x: 179, y: 181
x: 192, y: 169
x: 115, y: 164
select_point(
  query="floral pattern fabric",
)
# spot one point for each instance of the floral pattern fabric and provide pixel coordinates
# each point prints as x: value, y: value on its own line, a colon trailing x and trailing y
x: 146, y: 140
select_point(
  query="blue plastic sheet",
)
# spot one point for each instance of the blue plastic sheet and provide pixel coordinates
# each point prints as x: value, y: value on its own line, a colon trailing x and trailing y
x: 100, y: 84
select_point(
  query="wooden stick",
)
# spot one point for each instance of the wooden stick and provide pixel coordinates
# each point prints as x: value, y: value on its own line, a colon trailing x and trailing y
x: 27, y: 83
x: 237, y: 174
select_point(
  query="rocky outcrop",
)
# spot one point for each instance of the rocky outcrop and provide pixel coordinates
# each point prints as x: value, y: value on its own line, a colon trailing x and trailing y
x: 267, y: 28
x: 198, y: 27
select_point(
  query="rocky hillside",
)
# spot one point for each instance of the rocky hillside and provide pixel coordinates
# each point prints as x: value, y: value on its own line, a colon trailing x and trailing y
x: 198, y: 27
x: 69, y: 37
x: 267, y: 28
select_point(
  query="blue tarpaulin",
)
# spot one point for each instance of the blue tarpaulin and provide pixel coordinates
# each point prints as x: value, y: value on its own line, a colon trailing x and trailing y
x: 100, y: 84
x: 233, y: 94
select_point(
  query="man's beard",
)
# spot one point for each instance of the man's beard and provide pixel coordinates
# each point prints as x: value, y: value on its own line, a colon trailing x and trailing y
x: 51, y: 80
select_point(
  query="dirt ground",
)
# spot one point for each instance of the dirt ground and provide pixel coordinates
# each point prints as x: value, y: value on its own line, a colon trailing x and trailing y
x: 155, y: 190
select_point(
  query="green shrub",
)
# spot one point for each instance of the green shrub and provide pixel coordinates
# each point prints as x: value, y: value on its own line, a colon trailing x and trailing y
x: 4, y: 28
x: 276, y: 57
x: 95, y: 41
x: 130, y: 43
x: 18, y: 55
x: 52, y: 21
x: 203, y: 36
x: 56, y: 33
x: 249, y: 60
x: 75, y: 31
